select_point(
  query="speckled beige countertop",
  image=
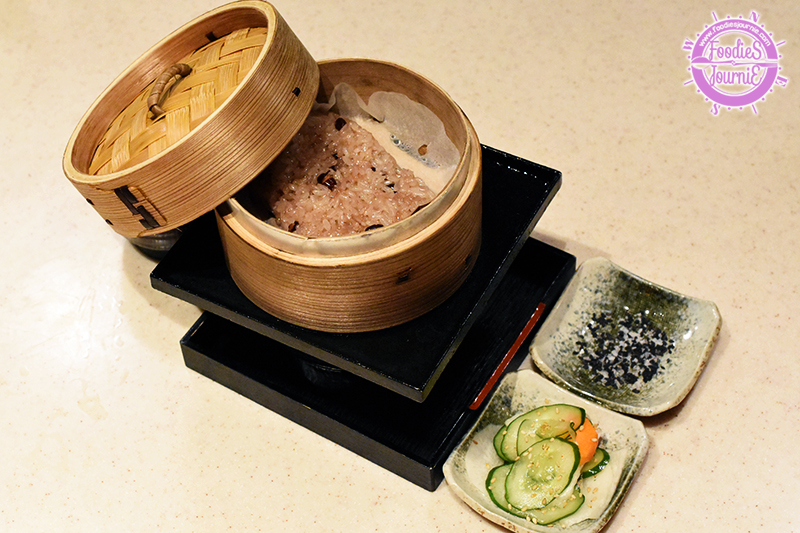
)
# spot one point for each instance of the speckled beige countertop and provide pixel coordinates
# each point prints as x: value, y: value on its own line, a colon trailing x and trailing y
x: 103, y: 428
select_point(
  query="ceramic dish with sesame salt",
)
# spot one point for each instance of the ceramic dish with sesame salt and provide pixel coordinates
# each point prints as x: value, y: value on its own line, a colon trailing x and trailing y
x: 468, y: 468
x: 624, y: 342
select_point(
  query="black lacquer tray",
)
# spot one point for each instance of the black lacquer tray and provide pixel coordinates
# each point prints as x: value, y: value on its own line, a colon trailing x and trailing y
x: 407, y: 359
x: 409, y: 438
x: 371, y: 400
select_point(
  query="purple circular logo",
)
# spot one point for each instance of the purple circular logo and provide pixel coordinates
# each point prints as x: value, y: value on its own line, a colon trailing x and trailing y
x: 734, y: 63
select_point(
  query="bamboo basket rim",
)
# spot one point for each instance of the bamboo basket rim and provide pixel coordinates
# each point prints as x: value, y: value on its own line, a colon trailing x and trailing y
x: 449, y: 199
x: 154, y: 55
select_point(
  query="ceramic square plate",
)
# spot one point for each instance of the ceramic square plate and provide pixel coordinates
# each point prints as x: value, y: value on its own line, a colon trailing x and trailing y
x: 624, y: 438
x: 624, y: 342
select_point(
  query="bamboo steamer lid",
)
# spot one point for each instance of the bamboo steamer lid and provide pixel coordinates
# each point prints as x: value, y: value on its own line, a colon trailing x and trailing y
x: 192, y: 120
x: 380, y: 278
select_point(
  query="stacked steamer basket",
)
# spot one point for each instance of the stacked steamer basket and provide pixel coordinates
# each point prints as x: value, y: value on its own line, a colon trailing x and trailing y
x: 183, y: 132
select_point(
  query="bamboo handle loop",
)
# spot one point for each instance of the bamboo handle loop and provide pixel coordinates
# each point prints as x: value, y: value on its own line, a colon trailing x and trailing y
x: 178, y: 69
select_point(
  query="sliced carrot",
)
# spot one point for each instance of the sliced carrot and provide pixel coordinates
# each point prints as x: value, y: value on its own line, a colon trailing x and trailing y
x: 586, y: 439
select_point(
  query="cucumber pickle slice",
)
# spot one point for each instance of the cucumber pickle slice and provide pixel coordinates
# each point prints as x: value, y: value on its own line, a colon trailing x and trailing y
x: 558, y: 420
x: 498, y: 442
x: 559, y: 508
x: 596, y: 464
x: 542, y: 473
x: 496, y: 485
x: 539, y: 478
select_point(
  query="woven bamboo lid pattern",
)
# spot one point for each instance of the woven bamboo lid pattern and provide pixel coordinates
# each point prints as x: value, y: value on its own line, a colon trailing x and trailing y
x: 216, y: 70
x: 236, y: 84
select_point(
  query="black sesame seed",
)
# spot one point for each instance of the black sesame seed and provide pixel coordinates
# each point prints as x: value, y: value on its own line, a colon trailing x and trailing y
x: 623, y: 351
x: 339, y: 124
x: 293, y: 226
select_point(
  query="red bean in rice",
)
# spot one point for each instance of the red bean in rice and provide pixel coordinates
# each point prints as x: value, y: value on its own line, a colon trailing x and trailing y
x: 335, y: 179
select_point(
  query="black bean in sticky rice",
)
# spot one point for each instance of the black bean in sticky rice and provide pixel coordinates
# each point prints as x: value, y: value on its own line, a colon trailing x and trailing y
x: 335, y: 179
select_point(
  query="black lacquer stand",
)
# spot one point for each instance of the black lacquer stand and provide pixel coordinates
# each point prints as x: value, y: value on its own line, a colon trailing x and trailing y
x: 404, y: 396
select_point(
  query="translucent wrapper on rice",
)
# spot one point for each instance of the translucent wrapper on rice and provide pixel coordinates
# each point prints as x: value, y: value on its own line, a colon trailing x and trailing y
x: 356, y: 167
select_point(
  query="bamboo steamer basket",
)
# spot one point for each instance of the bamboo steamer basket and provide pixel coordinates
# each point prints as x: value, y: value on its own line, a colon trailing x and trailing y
x: 376, y: 279
x: 192, y: 120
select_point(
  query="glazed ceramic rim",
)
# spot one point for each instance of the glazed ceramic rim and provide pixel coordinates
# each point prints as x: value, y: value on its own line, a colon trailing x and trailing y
x: 635, y: 458
x: 565, y: 301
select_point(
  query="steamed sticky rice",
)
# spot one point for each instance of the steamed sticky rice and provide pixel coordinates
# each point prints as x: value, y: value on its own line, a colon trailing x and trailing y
x: 335, y: 179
